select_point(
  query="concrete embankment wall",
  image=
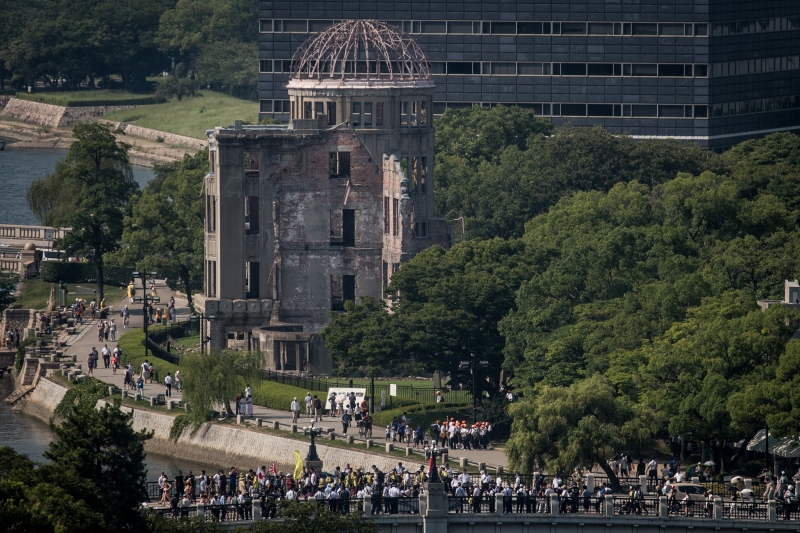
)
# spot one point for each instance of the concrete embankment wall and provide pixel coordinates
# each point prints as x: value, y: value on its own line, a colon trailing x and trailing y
x: 155, y: 135
x: 218, y: 444
x: 53, y: 115
x: 44, y: 399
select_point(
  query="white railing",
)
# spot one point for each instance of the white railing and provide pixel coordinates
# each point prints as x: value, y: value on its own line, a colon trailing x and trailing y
x: 35, y: 233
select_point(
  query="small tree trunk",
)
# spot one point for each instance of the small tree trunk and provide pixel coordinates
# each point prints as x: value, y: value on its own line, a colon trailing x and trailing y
x: 612, y: 477
x: 186, y: 283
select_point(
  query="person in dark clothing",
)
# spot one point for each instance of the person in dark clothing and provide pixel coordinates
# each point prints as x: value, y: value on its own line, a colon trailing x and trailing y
x: 232, y: 481
x: 180, y: 486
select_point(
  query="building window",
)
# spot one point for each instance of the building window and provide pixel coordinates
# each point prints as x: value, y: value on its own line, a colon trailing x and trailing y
x: 379, y: 114
x: 251, y: 219
x: 211, y: 213
x: 423, y: 174
x: 211, y: 279
x: 386, y: 215
x: 385, y: 274
x: 331, y: 113
x: 319, y: 109
x: 343, y: 227
x: 265, y: 25
x: 252, y: 280
x: 265, y: 106
x: 355, y: 115
x: 340, y: 164
x: 405, y: 111
x: 367, y: 115
x: 395, y: 217
x: 421, y: 229
x: 343, y: 289
x: 265, y: 65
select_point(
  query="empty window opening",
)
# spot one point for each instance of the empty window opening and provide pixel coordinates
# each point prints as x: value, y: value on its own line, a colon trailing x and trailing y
x: 211, y: 278
x: 343, y: 227
x: 378, y: 114
x: 252, y: 285
x: 423, y: 174
x: 319, y: 109
x: 423, y: 113
x: 307, y: 110
x: 251, y: 219
x: 395, y: 216
x: 414, y: 111
x: 367, y: 116
x: 415, y: 174
x: 343, y: 289
x: 340, y: 164
x: 355, y: 115
x: 331, y: 113
x: 251, y: 163
x: 385, y: 274
x: 211, y: 213
x: 405, y: 111
x: 386, y: 215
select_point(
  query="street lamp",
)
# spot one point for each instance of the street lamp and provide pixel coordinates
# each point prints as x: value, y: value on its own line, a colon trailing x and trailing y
x: 471, y: 365
x: 145, y: 299
x: 432, y: 453
x: 312, y: 459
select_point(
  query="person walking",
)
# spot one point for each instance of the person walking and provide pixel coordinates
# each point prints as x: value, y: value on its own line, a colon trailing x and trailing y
x: 90, y: 364
x: 168, y: 385
x: 295, y: 408
x: 178, y: 381
x: 126, y: 314
x: 106, y: 356
x: 113, y: 330
x: 345, y: 421
x: 309, y: 403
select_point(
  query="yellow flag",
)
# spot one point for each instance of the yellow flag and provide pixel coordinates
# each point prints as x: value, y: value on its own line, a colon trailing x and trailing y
x: 298, y: 466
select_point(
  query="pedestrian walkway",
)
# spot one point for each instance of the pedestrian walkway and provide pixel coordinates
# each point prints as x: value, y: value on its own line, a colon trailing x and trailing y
x: 86, y: 338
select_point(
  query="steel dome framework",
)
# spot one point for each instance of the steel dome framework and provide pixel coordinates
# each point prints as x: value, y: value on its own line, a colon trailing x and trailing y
x: 360, y: 49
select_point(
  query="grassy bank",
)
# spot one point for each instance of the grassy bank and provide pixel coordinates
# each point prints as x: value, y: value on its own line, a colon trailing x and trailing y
x: 132, y: 346
x: 191, y: 116
x: 35, y: 293
x: 89, y: 98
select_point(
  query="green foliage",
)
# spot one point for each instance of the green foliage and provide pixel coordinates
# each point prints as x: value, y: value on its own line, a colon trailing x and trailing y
x: 19, y: 358
x: 101, y: 451
x: 179, y: 423
x: 421, y: 414
x: 163, y: 230
x: 90, y: 98
x: 230, y: 67
x: 8, y: 286
x: 174, y: 87
x: 499, y: 168
x: 159, y: 523
x: 82, y: 396
x: 217, y: 377
x: 132, y: 346
x: 301, y: 518
x: 67, y: 272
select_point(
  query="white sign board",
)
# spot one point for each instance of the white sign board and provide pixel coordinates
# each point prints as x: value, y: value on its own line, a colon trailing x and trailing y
x: 392, y: 390
x: 342, y: 395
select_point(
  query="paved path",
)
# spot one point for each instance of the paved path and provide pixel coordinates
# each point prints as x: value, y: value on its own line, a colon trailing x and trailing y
x: 82, y: 343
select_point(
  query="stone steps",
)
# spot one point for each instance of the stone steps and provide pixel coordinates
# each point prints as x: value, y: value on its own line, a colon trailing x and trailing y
x: 18, y: 394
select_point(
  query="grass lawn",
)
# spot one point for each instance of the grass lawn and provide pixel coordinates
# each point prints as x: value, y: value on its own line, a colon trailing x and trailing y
x: 132, y: 346
x: 35, y: 294
x: 88, y: 98
x: 191, y: 116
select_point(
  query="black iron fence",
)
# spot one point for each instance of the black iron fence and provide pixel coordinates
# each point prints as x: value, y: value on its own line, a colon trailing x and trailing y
x: 405, y: 505
x: 425, y: 395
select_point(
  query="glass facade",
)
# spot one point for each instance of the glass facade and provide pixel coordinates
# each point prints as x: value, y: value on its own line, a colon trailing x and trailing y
x: 714, y: 71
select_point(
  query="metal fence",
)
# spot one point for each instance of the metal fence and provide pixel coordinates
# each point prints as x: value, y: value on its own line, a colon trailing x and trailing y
x: 425, y: 395
x: 381, y: 505
x: 646, y: 506
x: 745, y: 510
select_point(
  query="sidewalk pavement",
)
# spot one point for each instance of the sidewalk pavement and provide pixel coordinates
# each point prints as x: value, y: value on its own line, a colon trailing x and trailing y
x: 81, y: 345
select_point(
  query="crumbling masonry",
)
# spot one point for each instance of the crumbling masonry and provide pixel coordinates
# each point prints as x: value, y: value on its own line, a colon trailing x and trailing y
x: 303, y: 217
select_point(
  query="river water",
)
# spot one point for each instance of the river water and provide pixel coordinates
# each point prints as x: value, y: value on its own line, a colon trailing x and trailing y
x: 18, y: 168
x: 30, y: 436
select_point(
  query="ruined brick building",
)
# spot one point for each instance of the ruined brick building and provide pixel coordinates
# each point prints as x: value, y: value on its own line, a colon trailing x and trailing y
x: 303, y: 217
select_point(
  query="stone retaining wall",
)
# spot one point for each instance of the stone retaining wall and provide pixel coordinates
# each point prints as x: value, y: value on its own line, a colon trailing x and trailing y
x: 219, y: 444
x: 3, y: 101
x: 155, y: 135
x: 53, y: 115
x: 44, y: 399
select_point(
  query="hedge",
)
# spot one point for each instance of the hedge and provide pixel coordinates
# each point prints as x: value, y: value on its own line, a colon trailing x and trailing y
x: 57, y: 99
x: 78, y: 272
x: 424, y: 414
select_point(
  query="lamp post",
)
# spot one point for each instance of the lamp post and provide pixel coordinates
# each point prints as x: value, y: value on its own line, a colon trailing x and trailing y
x: 145, y: 299
x: 432, y: 453
x: 472, y: 366
x: 312, y: 460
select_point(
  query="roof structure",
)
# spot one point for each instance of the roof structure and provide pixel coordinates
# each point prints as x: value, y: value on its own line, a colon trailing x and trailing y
x: 360, y: 50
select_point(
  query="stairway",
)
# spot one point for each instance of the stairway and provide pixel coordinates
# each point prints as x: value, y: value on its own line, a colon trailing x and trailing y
x: 18, y: 394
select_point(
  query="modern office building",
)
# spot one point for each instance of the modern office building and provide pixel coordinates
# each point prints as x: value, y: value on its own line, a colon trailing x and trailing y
x: 712, y: 71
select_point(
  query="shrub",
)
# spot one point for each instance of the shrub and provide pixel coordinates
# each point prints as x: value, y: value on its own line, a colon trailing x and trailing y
x: 424, y: 414
x: 19, y: 358
x: 77, y: 272
x: 279, y: 396
x: 84, y: 395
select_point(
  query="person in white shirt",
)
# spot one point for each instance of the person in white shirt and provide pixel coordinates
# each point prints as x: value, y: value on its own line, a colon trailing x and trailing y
x: 248, y: 391
x: 295, y: 408
x: 309, y: 403
x: 168, y: 385
x: 291, y: 495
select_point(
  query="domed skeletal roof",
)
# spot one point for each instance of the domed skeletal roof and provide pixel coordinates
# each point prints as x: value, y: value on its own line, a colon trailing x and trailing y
x: 360, y: 49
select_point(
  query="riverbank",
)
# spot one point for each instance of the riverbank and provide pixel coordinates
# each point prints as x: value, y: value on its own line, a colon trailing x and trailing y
x: 36, y: 126
x: 245, y: 445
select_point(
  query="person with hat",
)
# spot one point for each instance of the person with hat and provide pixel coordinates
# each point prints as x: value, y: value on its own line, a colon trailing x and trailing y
x: 295, y: 408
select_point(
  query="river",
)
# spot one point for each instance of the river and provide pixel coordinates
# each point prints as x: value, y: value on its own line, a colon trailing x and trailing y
x: 18, y: 168
x: 30, y: 436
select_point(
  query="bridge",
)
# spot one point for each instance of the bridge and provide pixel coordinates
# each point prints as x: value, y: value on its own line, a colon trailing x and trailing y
x: 436, y: 512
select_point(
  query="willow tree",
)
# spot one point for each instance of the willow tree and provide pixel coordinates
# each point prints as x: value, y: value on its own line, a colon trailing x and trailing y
x: 214, y: 378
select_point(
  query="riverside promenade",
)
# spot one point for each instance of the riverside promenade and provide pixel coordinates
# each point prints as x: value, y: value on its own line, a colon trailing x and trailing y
x: 85, y: 339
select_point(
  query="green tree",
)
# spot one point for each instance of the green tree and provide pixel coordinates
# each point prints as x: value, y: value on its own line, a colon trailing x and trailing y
x: 8, y: 286
x: 104, y: 454
x: 98, y: 175
x: 229, y: 66
x: 163, y: 230
x: 215, y: 378
x: 301, y: 518
x: 559, y: 428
